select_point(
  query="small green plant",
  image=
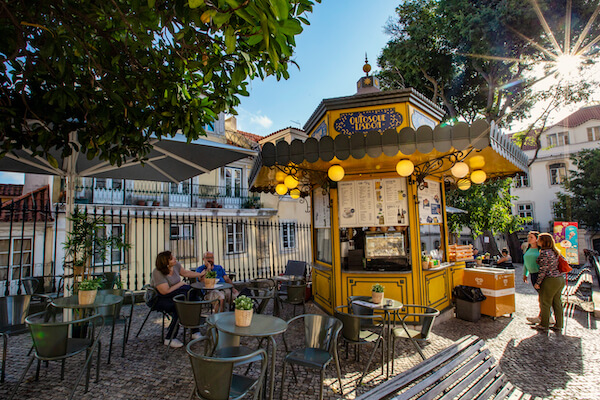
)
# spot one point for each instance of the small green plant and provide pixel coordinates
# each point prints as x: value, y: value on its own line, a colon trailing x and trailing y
x: 211, y: 274
x: 423, y: 257
x: 377, y: 288
x: 478, y: 258
x: 243, y: 303
x: 91, y: 284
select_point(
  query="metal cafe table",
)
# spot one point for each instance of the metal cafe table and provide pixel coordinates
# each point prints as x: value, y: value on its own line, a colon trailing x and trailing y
x: 389, y: 308
x: 262, y: 326
x: 72, y: 302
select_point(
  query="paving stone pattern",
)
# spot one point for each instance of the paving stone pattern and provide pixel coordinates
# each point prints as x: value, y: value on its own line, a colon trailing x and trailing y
x: 549, y: 365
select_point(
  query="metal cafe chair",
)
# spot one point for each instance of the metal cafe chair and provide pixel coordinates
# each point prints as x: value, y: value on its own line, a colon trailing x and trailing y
x: 422, y: 317
x: 13, y: 310
x: 296, y: 295
x: 150, y: 298
x: 112, y: 316
x: 51, y: 342
x: 262, y: 291
x: 222, y: 382
x: 353, y: 333
x: 193, y: 314
x: 320, y: 347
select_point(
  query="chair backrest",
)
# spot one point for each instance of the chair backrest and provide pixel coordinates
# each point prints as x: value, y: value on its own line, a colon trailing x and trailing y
x: 353, y: 323
x: 297, y: 268
x: 320, y: 331
x: 113, y: 311
x: 358, y: 309
x: 213, y: 376
x: 296, y: 293
x: 50, y: 339
x: 190, y: 312
x: 150, y: 295
x: 31, y: 284
x: 13, y: 310
x: 110, y: 278
x: 422, y: 316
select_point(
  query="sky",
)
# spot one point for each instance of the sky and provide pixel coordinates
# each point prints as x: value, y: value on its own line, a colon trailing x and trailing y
x: 330, y: 53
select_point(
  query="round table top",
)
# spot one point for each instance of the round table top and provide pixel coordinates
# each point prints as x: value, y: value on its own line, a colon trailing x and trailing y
x: 102, y: 300
x: 218, y: 286
x: 261, y: 325
x: 386, y: 304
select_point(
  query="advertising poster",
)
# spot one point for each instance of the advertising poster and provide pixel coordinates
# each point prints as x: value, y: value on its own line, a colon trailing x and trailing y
x: 430, y: 206
x: 322, y: 215
x: 565, y: 236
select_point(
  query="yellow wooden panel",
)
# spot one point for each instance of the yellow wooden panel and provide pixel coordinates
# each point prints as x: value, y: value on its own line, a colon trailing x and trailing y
x: 322, y: 286
x: 396, y: 287
x: 436, y: 292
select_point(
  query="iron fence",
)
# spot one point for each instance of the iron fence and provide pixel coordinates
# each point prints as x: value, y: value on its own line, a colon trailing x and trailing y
x: 31, y: 243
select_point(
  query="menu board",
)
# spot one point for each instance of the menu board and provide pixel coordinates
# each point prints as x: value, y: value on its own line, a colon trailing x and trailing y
x: 376, y: 202
x: 430, y: 203
x: 322, y: 214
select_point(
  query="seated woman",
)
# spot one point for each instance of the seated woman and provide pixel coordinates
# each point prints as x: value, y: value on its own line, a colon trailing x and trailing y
x: 166, y: 278
x: 506, y: 260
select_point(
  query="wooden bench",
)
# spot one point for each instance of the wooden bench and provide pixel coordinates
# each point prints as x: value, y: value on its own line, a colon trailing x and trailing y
x: 465, y: 370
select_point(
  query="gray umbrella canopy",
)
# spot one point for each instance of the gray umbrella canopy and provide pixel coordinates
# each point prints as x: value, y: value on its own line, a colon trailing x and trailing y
x: 169, y: 161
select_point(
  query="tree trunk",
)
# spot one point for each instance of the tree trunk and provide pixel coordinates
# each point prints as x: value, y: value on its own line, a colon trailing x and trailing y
x: 514, y: 247
x: 490, y: 247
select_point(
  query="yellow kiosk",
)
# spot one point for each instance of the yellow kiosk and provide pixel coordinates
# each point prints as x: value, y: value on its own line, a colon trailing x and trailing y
x: 376, y: 166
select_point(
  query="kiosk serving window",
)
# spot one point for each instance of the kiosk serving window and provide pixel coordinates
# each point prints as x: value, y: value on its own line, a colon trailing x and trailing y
x: 373, y: 218
x: 431, y: 219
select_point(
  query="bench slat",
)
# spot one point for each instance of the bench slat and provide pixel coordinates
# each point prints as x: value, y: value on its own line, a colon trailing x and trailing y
x: 398, y: 382
x: 481, y: 383
x: 463, y: 378
x: 497, y: 384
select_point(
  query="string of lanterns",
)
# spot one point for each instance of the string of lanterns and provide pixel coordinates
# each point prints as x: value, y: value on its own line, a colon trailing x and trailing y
x: 287, y: 183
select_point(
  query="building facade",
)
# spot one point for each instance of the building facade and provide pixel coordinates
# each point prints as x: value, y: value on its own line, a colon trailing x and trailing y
x: 537, y: 190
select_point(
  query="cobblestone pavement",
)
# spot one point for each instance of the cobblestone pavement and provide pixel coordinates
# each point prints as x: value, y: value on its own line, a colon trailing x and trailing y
x: 549, y: 366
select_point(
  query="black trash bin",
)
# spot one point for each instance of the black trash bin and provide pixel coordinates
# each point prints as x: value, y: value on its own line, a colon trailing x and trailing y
x: 468, y: 302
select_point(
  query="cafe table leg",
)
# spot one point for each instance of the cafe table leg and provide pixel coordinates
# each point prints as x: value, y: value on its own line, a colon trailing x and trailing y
x: 272, y: 368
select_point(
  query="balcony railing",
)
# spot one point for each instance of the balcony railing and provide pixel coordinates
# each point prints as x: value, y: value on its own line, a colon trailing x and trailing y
x: 532, y: 226
x: 155, y: 194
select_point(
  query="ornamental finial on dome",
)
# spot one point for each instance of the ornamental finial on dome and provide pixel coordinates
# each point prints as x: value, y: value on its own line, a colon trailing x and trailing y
x: 367, y: 66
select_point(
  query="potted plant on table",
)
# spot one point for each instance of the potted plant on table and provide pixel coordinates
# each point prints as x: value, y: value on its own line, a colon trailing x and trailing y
x: 478, y: 260
x: 377, y: 293
x: 210, y: 279
x: 243, y: 310
x: 87, y: 290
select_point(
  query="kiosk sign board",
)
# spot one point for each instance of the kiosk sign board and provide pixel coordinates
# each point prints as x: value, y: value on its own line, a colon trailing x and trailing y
x: 565, y: 236
x: 375, y: 202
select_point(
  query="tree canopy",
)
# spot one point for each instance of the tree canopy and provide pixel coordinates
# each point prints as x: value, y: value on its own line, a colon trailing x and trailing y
x: 488, y: 208
x: 475, y: 58
x: 581, y: 202
x: 117, y: 72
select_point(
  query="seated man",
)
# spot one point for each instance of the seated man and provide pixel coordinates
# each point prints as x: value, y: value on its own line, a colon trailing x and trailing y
x: 209, y: 265
x: 506, y: 260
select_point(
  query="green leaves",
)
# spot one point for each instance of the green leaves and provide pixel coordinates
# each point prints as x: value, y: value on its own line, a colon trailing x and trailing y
x: 115, y: 76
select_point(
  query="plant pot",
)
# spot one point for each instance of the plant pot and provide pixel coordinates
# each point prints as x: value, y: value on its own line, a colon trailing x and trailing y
x: 384, y: 228
x: 210, y: 282
x: 87, y: 296
x: 479, y: 262
x: 243, y: 317
x: 377, y: 297
x: 140, y: 203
